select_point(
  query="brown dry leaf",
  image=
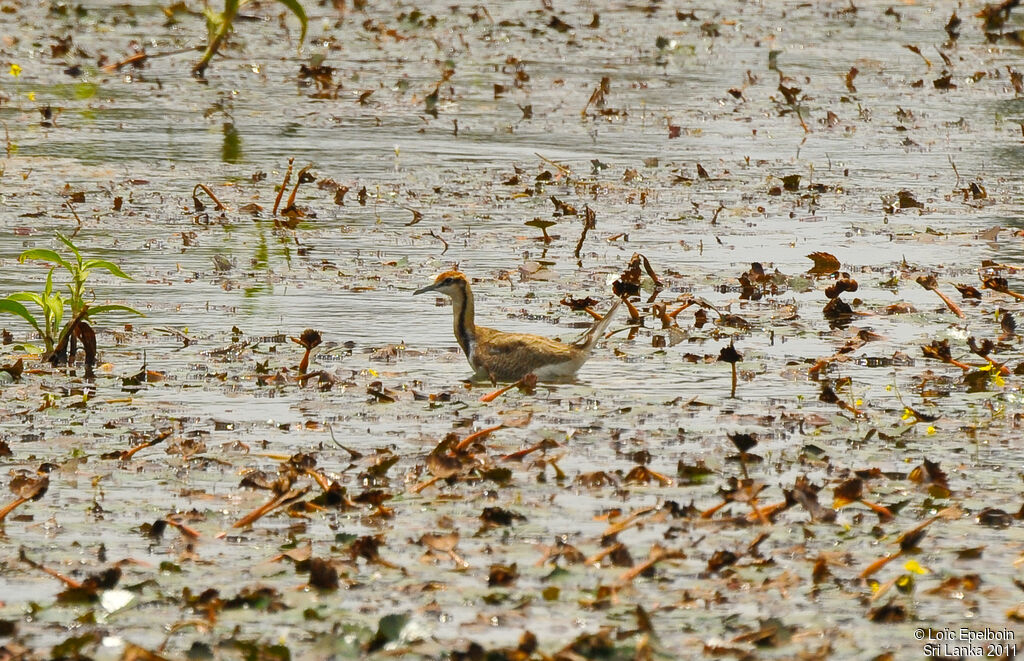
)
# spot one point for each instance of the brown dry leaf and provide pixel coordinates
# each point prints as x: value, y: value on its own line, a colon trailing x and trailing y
x: 917, y: 51
x: 821, y: 570
x: 441, y: 542
x: 955, y: 586
x: 824, y: 263
x: 628, y: 283
x: 849, y: 80
x: 890, y: 613
x: 729, y: 354
x: 930, y: 475
x: 843, y: 283
x: 743, y: 442
x: 29, y: 486
x: 502, y: 575
x: 967, y: 291
x: 323, y: 575
x: 133, y: 652
x: 806, y: 494
x: 848, y: 492
x: 908, y: 201
x: 596, y: 480
x: 499, y: 516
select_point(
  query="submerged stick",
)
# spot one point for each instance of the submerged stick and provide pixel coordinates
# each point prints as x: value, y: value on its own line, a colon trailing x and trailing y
x: 269, y: 506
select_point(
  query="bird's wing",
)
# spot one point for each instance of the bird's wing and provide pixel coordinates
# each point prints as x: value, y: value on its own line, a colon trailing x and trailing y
x: 508, y: 354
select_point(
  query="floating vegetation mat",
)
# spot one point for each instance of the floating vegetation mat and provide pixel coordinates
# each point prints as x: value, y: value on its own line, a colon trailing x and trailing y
x: 799, y: 437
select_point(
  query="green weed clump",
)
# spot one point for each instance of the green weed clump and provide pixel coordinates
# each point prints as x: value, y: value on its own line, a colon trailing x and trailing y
x: 55, y: 307
x: 219, y: 24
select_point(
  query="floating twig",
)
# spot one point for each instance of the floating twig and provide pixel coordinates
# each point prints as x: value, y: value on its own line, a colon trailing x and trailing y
x: 269, y: 506
x: 431, y: 233
x: 217, y: 204
x: 284, y: 185
x: 931, y: 283
x: 528, y: 382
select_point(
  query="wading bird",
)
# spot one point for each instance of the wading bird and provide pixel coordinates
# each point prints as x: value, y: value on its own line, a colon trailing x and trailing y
x: 501, y: 356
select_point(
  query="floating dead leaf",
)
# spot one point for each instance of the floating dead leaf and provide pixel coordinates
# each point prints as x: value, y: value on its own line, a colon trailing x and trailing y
x: 931, y: 283
x: 851, y: 491
x: 543, y: 226
x: 851, y: 74
x: 579, y: 304
x: 655, y: 555
x: 323, y: 575
x: 88, y: 591
x: 443, y: 465
x: 502, y: 575
x: 900, y: 308
x: 25, y: 486
x: 890, y: 613
x: 596, y: 480
x: 443, y: 542
x: 908, y: 201
x: 967, y: 291
x: 644, y: 475
x: 939, y: 350
x: 14, y: 369
x: 733, y: 321
x: 628, y: 284
x: 842, y: 284
x: 563, y: 209
x: 1008, y: 324
x: 696, y: 473
x: 929, y: 474
x: 729, y: 354
x: 955, y: 586
x: 993, y: 517
x: 499, y: 516
x: 824, y: 263
x: 720, y: 559
x: 743, y: 442
x: 1002, y: 286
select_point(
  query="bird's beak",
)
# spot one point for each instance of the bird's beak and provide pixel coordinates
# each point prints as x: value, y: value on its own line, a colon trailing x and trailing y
x: 424, y: 290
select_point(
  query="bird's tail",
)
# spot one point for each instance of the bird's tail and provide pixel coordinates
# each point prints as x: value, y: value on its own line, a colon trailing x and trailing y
x: 588, y: 341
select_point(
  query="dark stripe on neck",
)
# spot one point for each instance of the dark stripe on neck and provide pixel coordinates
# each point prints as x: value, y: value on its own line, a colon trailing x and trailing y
x: 461, y: 332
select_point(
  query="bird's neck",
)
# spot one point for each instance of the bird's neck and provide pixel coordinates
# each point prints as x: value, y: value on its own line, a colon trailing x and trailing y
x: 465, y: 328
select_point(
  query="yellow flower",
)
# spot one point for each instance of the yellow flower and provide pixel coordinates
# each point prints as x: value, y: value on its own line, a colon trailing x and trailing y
x: 914, y: 567
x: 31, y: 96
x: 931, y: 429
x: 15, y: 70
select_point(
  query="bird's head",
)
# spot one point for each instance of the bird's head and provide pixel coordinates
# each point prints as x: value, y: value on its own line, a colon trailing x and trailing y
x: 448, y: 283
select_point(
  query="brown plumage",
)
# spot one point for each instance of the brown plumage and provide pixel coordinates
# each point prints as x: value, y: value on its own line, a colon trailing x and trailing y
x: 501, y: 356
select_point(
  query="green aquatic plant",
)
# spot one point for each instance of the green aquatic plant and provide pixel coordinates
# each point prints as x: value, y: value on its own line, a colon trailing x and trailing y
x: 52, y: 304
x: 219, y: 24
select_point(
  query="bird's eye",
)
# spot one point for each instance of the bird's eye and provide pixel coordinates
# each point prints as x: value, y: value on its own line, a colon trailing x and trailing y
x: 447, y: 281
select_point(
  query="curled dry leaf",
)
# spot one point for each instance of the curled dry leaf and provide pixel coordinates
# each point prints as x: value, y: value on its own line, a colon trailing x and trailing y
x: 824, y: 263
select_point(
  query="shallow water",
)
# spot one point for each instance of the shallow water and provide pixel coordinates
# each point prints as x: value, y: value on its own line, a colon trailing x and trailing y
x: 149, y: 136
